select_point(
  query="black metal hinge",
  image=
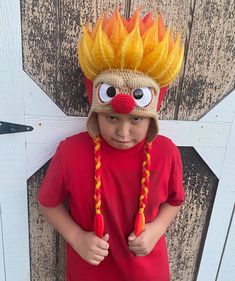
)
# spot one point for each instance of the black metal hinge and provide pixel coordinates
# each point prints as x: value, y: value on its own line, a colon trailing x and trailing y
x: 10, y: 128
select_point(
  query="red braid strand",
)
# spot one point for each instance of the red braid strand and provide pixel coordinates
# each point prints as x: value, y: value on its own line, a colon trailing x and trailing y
x: 98, y: 219
x: 140, y: 217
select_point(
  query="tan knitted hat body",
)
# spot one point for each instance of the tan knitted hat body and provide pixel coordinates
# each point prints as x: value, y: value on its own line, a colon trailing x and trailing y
x: 126, y: 83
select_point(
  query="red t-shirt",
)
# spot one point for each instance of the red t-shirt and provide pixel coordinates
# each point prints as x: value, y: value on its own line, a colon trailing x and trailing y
x: 71, y: 175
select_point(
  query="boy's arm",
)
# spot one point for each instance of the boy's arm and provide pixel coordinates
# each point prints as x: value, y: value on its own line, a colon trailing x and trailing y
x: 166, y: 215
x: 90, y: 247
x: 60, y: 218
x: 145, y: 242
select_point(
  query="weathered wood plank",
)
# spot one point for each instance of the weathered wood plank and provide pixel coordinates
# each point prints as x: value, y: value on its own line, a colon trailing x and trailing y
x: 180, y: 15
x: 39, y: 41
x: 73, y: 15
x: 210, y: 66
x: 43, y: 237
x: 61, y: 260
x: 187, y: 233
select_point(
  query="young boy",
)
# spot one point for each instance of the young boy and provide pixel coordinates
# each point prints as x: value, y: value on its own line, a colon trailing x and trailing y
x: 123, y: 181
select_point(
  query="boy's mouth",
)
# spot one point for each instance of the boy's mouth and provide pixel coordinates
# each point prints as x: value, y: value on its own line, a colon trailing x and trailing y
x: 121, y: 141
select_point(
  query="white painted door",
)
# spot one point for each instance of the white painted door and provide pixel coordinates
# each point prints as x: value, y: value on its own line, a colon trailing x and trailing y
x: 14, y: 244
x: 227, y: 264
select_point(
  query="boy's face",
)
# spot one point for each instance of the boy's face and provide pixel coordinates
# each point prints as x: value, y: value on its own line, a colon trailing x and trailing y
x: 122, y: 131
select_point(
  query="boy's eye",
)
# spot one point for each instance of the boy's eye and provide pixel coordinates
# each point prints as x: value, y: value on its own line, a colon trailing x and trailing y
x: 136, y: 119
x: 142, y: 96
x: 111, y: 118
x: 106, y: 92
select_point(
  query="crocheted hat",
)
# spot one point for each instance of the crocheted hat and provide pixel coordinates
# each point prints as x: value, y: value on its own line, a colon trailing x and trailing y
x: 130, y: 64
x: 128, y: 61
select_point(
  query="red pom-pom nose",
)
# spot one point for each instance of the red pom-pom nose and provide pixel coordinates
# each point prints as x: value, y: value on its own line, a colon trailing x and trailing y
x: 123, y: 103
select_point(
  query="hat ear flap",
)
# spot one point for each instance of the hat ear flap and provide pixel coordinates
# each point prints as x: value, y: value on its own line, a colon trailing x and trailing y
x: 89, y: 88
x: 162, y: 93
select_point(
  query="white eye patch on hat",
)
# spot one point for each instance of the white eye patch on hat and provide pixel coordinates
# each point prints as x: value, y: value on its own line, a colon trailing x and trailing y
x: 141, y: 96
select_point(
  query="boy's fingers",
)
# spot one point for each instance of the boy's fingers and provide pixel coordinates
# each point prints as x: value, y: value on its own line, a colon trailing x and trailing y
x: 135, y: 248
x: 131, y: 237
x: 102, y: 244
x: 101, y: 252
x: 94, y: 262
x: 137, y: 252
x: 106, y: 237
x: 134, y: 241
x: 98, y: 258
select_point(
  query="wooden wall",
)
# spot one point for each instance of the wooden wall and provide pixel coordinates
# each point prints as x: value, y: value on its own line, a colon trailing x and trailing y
x: 50, y: 30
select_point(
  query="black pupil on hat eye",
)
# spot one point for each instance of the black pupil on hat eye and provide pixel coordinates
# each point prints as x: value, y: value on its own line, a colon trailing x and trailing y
x: 111, y: 92
x: 138, y: 94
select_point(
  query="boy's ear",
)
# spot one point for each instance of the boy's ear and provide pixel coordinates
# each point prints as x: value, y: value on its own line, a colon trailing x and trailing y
x: 89, y: 88
x: 162, y: 93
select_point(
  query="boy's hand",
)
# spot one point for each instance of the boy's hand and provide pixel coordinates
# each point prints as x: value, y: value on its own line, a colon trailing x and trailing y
x: 145, y: 242
x: 92, y: 248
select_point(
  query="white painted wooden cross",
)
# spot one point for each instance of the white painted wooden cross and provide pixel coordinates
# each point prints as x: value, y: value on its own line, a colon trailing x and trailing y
x: 22, y: 154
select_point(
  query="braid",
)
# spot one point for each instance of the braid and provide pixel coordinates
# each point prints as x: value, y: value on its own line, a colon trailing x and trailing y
x: 140, y: 218
x: 98, y: 220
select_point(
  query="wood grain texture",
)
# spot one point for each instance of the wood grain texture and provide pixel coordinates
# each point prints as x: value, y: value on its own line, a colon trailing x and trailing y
x: 209, y: 68
x: 210, y: 62
x: 186, y: 235
x: 50, y: 31
x: 180, y: 15
x: 39, y: 42
x: 43, y: 238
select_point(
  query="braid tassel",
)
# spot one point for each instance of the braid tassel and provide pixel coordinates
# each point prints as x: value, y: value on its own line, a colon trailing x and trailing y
x: 140, y: 217
x: 98, y: 219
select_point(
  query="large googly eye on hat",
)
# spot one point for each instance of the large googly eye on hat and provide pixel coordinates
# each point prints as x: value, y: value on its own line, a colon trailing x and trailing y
x: 106, y: 92
x: 142, y: 96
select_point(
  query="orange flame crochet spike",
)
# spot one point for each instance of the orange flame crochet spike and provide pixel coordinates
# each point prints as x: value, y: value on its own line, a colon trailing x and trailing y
x: 117, y: 43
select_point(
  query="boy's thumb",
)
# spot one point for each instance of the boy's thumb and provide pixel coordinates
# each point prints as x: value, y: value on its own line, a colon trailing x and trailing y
x: 106, y: 237
x: 131, y: 236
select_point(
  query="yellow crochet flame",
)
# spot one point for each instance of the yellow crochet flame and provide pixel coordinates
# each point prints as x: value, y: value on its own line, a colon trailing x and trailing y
x: 144, y: 45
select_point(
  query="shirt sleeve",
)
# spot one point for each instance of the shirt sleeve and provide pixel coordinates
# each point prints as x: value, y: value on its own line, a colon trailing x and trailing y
x: 53, y: 190
x: 176, y: 193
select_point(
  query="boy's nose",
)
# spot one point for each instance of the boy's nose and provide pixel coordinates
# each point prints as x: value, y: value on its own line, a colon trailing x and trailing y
x: 123, y: 130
